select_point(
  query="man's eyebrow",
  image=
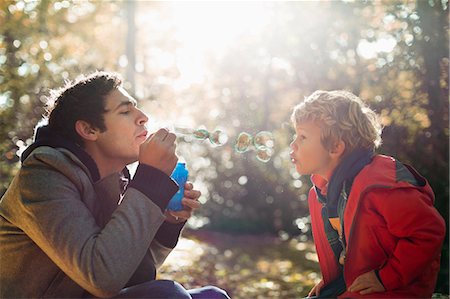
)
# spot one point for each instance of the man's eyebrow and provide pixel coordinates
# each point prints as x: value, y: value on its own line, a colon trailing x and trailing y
x: 124, y: 103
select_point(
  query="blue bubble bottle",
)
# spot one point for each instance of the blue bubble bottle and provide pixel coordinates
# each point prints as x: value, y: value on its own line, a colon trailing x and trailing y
x: 179, y: 175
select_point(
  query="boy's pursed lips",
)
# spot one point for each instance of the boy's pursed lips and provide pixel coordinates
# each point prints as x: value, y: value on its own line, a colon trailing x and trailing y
x: 293, y: 160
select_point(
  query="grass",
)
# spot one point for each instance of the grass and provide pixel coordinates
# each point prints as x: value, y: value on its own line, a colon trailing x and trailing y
x: 245, y: 266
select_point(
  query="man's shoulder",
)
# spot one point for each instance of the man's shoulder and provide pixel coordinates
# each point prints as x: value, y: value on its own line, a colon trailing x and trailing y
x: 59, y: 159
x: 51, y: 155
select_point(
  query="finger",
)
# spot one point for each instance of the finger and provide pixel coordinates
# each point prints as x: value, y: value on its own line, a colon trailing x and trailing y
x: 358, y: 287
x: 178, y: 215
x: 170, y: 138
x: 174, y: 160
x: 355, y: 282
x: 188, y: 186
x: 367, y: 291
x: 319, y: 287
x: 181, y: 214
x: 172, y: 149
x: 193, y: 204
x: 192, y: 194
x: 160, y: 134
x: 150, y: 137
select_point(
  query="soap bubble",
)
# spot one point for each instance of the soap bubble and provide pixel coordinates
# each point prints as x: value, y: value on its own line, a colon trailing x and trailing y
x: 218, y: 137
x: 264, y: 155
x: 262, y: 143
x: 263, y: 140
x: 243, y: 142
x: 201, y: 134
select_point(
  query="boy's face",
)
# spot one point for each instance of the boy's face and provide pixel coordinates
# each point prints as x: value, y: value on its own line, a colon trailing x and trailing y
x: 308, y: 153
x: 125, y: 129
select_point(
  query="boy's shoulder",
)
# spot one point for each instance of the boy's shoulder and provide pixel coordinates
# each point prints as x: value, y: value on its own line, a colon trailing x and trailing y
x: 386, y: 170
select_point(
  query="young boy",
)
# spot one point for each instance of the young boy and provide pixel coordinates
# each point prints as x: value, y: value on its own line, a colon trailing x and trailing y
x: 376, y: 231
x: 73, y: 223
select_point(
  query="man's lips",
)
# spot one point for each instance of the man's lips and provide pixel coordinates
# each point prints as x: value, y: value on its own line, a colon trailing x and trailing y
x: 142, y: 135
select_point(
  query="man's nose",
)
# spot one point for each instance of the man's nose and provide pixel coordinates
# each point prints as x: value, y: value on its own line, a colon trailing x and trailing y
x: 143, y: 118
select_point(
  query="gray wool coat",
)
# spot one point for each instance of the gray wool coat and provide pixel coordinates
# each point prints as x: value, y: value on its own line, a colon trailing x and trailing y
x: 61, y: 235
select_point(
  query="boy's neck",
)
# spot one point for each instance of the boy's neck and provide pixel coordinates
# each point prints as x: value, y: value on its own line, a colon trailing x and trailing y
x: 328, y: 173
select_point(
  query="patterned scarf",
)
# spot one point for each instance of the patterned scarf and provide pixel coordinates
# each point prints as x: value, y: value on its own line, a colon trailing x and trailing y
x: 338, y: 190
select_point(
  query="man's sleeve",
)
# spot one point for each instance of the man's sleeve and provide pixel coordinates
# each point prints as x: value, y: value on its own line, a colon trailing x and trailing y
x: 100, y: 260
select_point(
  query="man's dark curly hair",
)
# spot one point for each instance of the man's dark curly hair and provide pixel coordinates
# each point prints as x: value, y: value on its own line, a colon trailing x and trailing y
x: 83, y: 99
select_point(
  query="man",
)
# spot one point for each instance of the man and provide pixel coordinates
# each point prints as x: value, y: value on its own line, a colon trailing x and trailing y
x: 73, y: 223
x: 376, y: 231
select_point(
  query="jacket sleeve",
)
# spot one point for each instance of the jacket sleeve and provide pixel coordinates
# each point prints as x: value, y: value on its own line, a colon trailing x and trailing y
x: 100, y: 260
x: 411, y: 217
x: 153, y: 259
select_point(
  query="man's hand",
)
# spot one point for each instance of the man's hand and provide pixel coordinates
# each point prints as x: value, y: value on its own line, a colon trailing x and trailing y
x: 316, y: 289
x: 367, y: 283
x: 159, y: 151
x: 190, y: 203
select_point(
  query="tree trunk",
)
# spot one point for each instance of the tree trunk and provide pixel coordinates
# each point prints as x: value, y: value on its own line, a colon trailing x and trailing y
x: 131, y: 44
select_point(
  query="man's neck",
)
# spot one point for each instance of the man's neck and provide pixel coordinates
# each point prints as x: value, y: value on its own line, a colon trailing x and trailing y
x: 105, y: 165
x: 107, y: 169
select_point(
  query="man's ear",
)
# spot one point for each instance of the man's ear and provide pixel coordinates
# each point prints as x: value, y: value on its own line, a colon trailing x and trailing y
x: 86, y: 131
x: 338, y: 149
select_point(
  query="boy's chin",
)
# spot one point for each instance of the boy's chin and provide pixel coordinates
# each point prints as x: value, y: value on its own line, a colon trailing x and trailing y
x: 301, y: 171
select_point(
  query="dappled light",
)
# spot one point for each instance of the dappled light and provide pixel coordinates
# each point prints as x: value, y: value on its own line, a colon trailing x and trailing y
x: 225, y: 76
x: 246, y: 266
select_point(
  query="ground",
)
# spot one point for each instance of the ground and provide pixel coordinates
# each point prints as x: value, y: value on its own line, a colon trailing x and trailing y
x: 245, y: 266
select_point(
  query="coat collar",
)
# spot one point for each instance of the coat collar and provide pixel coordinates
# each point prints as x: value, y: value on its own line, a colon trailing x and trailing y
x: 46, y: 137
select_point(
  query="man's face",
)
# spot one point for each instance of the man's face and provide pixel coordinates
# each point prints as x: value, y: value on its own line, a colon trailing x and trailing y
x: 125, y: 129
x: 308, y: 153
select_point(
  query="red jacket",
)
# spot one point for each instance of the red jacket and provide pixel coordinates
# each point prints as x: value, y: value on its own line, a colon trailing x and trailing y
x: 389, y: 225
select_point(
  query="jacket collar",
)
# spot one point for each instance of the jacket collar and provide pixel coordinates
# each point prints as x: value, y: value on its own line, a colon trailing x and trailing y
x: 46, y: 137
x: 348, y: 168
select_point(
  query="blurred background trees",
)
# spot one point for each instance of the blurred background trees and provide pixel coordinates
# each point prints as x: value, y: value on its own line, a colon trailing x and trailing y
x: 240, y: 67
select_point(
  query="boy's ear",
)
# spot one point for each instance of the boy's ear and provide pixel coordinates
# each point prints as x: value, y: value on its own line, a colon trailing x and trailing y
x: 86, y: 131
x: 338, y: 149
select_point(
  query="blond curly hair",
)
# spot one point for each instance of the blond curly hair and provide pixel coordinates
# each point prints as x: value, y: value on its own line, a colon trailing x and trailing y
x: 341, y: 116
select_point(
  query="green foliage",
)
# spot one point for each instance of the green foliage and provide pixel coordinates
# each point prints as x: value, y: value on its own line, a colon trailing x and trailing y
x: 252, y: 85
x: 42, y: 43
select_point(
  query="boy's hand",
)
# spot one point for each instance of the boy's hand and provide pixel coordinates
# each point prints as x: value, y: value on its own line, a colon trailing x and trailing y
x: 190, y: 203
x: 159, y: 151
x: 316, y: 289
x: 367, y: 283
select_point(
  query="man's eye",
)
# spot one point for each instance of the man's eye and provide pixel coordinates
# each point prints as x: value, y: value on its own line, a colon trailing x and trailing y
x: 125, y: 112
